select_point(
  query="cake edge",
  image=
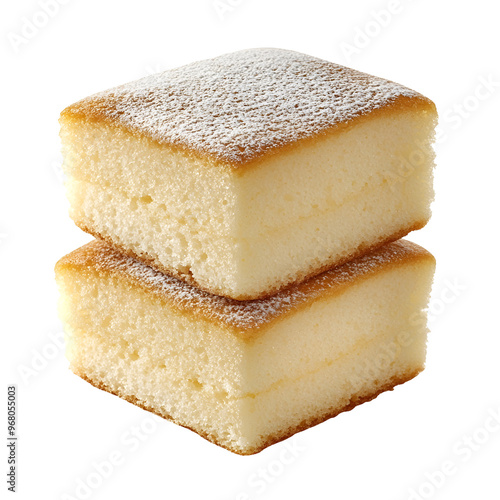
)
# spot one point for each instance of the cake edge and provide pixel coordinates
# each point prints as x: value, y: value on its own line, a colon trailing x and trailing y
x: 361, y: 251
x: 402, y: 103
x: 246, y: 320
x: 355, y: 401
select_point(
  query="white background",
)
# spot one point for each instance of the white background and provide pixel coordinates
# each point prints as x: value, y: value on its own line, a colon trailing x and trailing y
x: 387, y: 449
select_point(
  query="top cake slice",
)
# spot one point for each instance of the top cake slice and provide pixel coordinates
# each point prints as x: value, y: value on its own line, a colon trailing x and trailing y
x: 251, y: 171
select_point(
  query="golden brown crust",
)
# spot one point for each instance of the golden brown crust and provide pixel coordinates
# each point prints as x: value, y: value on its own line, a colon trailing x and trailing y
x: 401, y: 104
x: 240, y: 108
x: 189, y: 278
x: 244, y: 318
x: 356, y: 400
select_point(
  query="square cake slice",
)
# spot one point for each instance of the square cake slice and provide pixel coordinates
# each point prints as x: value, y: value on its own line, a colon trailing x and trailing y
x: 245, y: 375
x: 252, y: 171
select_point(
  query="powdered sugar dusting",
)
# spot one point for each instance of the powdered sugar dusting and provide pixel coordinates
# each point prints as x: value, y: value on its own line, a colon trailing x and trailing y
x: 240, y: 106
x: 243, y: 315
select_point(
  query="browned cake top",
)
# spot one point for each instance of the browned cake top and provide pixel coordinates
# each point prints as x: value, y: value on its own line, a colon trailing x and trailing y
x: 241, y: 106
x: 244, y: 316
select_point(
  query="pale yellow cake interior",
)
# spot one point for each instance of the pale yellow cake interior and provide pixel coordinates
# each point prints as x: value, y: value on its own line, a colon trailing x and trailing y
x: 245, y: 388
x: 248, y: 232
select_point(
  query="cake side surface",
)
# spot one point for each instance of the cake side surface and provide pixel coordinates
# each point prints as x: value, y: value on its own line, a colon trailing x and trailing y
x: 303, y: 212
x: 184, y: 344
x: 240, y: 107
x: 324, y: 352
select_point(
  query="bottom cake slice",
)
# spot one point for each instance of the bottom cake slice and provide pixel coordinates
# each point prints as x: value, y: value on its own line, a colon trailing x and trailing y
x: 245, y: 375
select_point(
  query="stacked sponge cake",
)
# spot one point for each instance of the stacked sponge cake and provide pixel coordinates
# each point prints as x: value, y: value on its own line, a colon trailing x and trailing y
x: 246, y: 281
